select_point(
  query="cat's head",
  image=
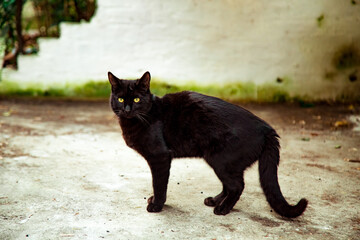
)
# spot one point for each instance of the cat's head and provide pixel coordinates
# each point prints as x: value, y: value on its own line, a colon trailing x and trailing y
x: 130, y: 98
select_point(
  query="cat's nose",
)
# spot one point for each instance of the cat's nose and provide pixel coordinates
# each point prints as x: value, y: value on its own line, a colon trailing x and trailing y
x: 127, y: 108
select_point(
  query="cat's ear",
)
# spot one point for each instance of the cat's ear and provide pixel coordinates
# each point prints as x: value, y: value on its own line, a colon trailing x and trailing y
x: 114, y: 81
x: 144, y: 81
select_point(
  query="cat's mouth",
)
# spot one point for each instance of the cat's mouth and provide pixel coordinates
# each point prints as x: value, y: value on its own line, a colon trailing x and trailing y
x: 124, y: 114
x: 127, y: 114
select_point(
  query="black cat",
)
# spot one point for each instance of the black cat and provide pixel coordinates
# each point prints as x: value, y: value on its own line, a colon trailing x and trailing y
x: 189, y: 124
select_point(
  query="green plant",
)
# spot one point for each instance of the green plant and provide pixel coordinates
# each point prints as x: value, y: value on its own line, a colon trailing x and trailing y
x: 49, y: 14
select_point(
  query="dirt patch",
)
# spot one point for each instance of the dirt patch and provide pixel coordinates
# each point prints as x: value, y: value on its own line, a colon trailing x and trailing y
x: 330, y: 198
x: 266, y: 222
x: 228, y: 227
x: 321, y: 166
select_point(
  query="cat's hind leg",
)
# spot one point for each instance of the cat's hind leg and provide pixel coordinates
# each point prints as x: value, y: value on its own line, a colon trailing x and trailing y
x: 231, y: 174
x: 234, y: 187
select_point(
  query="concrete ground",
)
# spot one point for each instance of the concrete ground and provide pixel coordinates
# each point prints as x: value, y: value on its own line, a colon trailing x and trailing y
x: 65, y: 173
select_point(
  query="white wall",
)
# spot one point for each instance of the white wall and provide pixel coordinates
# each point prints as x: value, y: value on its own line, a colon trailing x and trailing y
x: 206, y: 41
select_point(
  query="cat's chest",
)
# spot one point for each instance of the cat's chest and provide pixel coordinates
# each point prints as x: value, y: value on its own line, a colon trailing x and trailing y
x: 132, y: 135
x: 143, y: 139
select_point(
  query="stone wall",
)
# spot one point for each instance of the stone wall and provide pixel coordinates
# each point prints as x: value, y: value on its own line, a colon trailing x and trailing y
x: 307, y: 47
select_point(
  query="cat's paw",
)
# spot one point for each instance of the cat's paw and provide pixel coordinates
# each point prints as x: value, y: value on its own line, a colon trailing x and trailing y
x: 210, y: 202
x: 221, y: 210
x: 153, y: 207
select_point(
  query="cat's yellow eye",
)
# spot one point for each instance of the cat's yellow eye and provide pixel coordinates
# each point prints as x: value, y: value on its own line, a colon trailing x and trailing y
x: 136, y: 100
x: 121, y: 100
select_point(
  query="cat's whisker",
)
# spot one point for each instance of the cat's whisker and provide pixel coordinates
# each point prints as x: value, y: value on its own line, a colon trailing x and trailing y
x: 142, y: 117
x: 117, y: 112
x: 144, y: 114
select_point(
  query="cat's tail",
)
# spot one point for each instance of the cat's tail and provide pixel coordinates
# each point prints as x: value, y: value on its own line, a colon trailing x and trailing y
x: 268, y: 163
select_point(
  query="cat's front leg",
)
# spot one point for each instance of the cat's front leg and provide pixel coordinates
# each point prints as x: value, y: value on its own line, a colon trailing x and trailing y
x: 160, y: 170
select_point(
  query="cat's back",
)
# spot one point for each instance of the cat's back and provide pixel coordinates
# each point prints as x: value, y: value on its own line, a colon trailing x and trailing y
x: 205, y: 110
x: 193, y: 102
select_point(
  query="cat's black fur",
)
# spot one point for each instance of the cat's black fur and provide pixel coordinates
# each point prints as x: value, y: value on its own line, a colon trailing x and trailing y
x: 189, y: 124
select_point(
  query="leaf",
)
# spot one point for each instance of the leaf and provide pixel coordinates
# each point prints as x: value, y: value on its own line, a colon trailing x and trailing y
x: 7, y: 114
x: 342, y: 123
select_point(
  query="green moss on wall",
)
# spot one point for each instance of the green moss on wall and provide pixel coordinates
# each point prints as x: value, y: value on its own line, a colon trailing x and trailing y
x: 320, y: 20
x: 272, y: 93
x: 276, y: 91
